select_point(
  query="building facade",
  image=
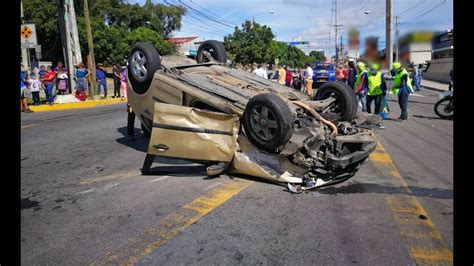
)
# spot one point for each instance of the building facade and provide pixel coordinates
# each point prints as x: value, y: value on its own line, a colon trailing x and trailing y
x: 443, y: 45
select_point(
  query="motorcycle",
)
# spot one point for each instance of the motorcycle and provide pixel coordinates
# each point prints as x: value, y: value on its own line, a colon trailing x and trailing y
x: 444, y: 107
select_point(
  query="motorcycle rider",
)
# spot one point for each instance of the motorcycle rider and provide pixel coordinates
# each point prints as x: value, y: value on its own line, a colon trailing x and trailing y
x: 360, y: 86
x: 402, y: 88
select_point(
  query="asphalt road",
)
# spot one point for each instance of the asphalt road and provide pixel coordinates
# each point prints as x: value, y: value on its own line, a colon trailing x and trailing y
x: 84, y: 200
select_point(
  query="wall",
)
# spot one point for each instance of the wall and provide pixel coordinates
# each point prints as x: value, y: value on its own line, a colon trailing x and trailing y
x: 420, y: 52
x: 438, y: 70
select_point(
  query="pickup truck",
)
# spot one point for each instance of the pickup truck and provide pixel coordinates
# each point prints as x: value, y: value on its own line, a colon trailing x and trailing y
x: 323, y: 72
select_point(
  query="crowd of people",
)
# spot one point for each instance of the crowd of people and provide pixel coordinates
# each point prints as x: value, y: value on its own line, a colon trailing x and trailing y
x: 367, y: 81
x: 55, y: 81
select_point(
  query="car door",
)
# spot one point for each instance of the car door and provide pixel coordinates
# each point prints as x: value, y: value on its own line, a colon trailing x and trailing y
x: 192, y: 133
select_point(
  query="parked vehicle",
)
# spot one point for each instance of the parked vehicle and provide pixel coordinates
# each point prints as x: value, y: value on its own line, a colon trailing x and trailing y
x: 323, y: 72
x: 240, y: 123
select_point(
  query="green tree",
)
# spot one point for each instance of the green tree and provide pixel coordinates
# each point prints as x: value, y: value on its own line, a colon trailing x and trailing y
x: 250, y: 44
x: 44, y: 14
x: 317, y: 55
x: 116, y: 26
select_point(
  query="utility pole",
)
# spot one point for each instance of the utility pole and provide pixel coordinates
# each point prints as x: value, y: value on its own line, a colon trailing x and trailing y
x: 335, y: 28
x: 342, y: 50
x: 24, y: 52
x: 396, y: 37
x: 388, y: 34
x: 70, y: 37
x: 93, y: 88
x: 335, y: 36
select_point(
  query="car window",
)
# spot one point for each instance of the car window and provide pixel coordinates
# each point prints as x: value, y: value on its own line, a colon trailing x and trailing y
x: 324, y: 67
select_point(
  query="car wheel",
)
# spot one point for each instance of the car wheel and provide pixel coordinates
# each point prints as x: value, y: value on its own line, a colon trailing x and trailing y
x: 213, y: 48
x: 146, y: 131
x: 343, y: 107
x: 353, y: 95
x: 143, y: 61
x: 268, y: 122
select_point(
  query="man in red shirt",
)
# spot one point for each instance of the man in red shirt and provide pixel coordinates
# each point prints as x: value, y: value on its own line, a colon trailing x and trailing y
x: 345, y: 73
x: 339, y: 74
x: 48, y: 81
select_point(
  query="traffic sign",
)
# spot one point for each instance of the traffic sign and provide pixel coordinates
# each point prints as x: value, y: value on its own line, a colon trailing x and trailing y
x: 298, y: 43
x: 28, y: 36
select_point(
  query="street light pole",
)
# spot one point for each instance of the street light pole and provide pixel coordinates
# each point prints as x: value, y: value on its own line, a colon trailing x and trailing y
x: 396, y: 37
x: 388, y: 34
x: 253, y: 18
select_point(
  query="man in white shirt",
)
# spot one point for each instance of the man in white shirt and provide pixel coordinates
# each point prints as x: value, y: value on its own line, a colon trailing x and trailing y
x: 261, y: 72
x: 308, y: 76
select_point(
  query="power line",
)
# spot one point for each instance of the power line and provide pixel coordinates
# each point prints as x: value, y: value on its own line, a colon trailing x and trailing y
x: 428, y: 11
x: 205, y: 15
x: 410, y: 8
x: 210, y: 12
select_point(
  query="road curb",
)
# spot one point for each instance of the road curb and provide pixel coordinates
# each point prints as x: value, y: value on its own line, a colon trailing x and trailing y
x: 85, y: 104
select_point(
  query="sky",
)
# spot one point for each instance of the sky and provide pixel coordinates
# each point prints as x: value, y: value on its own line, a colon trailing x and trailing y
x: 310, y: 20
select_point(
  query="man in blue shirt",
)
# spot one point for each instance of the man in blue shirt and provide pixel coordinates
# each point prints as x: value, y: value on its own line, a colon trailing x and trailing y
x: 101, y: 80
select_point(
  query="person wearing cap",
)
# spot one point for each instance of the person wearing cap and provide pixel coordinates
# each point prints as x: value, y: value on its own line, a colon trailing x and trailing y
x: 402, y: 88
x: 375, y: 81
x: 360, y: 86
x: 101, y: 74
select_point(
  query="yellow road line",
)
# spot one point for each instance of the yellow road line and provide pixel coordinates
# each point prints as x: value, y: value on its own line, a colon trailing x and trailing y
x: 156, y: 235
x: 432, y: 254
x: 423, y: 240
x: 84, y: 104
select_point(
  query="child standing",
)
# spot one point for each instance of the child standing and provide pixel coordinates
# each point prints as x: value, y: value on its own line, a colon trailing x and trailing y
x: 62, y: 81
x: 35, y: 85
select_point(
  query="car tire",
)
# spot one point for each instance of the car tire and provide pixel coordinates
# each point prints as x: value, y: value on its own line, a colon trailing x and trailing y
x: 215, y: 48
x: 146, y: 132
x: 268, y: 122
x: 143, y: 61
x: 353, y: 95
x: 345, y: 102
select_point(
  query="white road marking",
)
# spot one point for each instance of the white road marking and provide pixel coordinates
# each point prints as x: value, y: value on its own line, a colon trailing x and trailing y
x: 111, y: 185
x: 159, y: 179
x: 213, y: 186
x: 86, y: 191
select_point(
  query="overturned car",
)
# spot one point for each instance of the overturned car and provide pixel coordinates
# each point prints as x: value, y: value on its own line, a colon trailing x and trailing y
x: 239, y: 123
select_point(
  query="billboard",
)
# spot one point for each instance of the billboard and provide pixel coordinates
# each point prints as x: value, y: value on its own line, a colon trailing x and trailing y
x: 353, y: 39
x: 371, y: 48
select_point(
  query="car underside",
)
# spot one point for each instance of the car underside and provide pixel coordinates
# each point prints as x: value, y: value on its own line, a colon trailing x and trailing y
x: 243, y: 124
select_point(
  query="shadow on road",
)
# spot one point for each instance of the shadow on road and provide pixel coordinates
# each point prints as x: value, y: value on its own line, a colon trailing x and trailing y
x: 409, y: 101
x: 355, y: 188
x: 140, y: 144
x: 429, y: 117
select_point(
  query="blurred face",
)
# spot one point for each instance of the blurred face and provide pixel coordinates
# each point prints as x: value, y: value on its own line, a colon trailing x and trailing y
x: 42, y: 67
x: 49, y: 68
x: 60, y: 64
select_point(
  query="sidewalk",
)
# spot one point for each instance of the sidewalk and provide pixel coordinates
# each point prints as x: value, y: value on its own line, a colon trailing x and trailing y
x: 85, y: 104
x: 433, y: 85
